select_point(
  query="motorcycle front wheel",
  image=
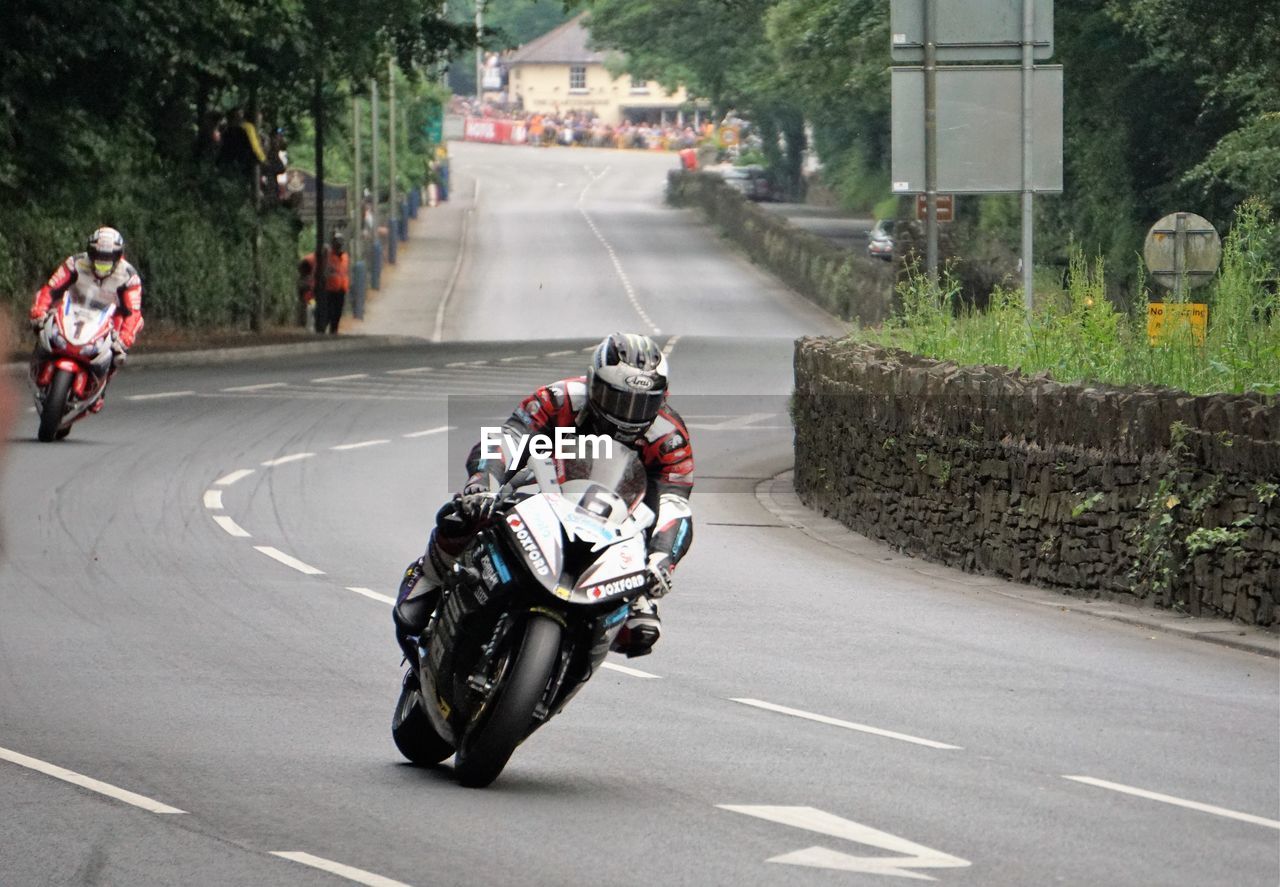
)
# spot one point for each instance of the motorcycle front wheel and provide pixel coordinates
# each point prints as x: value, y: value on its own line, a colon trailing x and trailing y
x: 55, y: 404
x: 488, y: 747
x: 411, y: 729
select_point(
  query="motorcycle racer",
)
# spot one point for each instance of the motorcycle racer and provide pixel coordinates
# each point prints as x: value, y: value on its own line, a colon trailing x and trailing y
x: 623, y: 395
x: 99, y: 276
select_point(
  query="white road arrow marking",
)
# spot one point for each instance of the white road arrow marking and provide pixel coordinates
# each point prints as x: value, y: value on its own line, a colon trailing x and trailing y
x: 915, y: 856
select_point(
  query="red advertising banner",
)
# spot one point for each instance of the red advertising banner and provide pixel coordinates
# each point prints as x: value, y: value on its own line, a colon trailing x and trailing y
x: 485, y: 129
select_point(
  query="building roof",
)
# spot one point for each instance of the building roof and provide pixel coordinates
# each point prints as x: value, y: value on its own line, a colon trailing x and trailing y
x: 565, y: 45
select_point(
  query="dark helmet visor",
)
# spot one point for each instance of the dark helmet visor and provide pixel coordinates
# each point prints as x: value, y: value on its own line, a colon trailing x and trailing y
x: 628, y: 407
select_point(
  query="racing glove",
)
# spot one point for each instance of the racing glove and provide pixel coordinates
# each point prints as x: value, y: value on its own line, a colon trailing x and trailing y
x: 659, y: 570
x: 119, y: 353
x: 476, y: 484
x: 465, y: 513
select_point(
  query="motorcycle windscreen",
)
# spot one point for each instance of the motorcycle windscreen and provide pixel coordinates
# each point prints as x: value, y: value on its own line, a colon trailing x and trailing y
x: 606, y: 480
x: 83, y: 320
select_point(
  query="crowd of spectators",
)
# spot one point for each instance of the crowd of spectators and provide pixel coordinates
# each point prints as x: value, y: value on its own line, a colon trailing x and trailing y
x: 585, y: 129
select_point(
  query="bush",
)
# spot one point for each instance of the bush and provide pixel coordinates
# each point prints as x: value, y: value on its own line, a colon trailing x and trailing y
x: 190, y: 238
x: 1077, y: 334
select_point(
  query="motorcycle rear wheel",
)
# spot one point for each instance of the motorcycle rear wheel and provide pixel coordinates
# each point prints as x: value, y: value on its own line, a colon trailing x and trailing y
x: 411, y: 729
x: 486, y: 750
x: 55, y: 404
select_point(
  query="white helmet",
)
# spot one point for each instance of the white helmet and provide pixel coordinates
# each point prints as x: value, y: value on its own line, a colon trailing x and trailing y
x: 106, y: 246
x: 626, y: 384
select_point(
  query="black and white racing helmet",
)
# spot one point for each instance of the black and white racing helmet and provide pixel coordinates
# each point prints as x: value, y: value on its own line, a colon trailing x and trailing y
x: 626, y: 384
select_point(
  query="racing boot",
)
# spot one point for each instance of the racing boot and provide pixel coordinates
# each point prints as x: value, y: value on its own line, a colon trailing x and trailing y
x: 641, y: 630
x: 418, y: 598
x: 97, y: 405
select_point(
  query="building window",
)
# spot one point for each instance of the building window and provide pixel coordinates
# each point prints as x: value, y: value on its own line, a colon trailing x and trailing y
x: 639, y: 86
x: 578, y: 77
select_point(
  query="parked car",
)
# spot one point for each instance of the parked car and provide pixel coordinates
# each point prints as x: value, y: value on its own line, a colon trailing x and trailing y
x: 752, y: 182
x: 880, y: 240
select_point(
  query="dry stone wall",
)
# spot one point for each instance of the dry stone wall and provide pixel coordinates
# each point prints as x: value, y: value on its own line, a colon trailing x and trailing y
x: 1147, y: 494
x: 849, y: 285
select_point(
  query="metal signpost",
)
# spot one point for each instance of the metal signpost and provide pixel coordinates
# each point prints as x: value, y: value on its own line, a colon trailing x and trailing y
x: 971, y: 113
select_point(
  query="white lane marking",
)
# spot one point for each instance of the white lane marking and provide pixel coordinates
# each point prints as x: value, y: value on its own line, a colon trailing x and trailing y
x: 519, y: 357
x: 228, y: 479
x: 430, y: 431
x: 231, y: 526
x: 342, y: 378
x: 634, y: 672
x: 437, y: 334
x: 560, y: 353
x: 590, y: 348
x: 213, y: 499
x: 161, y: 395
x: 370, y: 593
x: 613, y: 255
x: 696, y: 427
x: 360, y: 876
x: 848, y: 725
x: 361, y: 445
x: 284, y: 460
x: 466, y: 363
x: 736, y: 422
x: 670, y: 346
x: 915, y: 856
x: 260, y: 387
x: 1178, y: 802
x: 88, y: 782
x: 410, y: 371
x: 277, y: 555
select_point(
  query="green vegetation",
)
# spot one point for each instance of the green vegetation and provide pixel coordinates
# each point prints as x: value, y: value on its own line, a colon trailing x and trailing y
x: 507, y: 25
x: 1077, y: 334
x: 1169, y: 106
x: 99, y: 124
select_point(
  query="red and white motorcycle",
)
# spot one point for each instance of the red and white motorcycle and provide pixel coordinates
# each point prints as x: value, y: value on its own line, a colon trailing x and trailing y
x: 71, y: 363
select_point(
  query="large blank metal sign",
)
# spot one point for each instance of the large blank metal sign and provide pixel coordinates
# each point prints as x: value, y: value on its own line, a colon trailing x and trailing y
x: 979, y: 129
x: 969, y: 30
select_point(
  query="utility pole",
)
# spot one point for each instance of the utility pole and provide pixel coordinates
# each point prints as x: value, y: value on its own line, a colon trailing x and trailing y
x: 393, y: 233
x: 357, y: 191
x: 373, y: 151
x: 375, y: 249
x: 479, y: 52
x: 321, y: 264
x: 931, y: 139
x: 1028, y: 216
x: 357, y: 205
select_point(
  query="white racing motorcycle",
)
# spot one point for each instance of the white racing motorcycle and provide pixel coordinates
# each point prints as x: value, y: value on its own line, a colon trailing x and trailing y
x: 528, y: 613
x: 71, y: 363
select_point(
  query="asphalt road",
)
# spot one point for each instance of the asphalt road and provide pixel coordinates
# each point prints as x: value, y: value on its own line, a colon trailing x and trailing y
x: 193, y: 610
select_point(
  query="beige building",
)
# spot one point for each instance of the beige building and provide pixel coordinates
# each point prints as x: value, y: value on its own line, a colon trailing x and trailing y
x: 557, y: 73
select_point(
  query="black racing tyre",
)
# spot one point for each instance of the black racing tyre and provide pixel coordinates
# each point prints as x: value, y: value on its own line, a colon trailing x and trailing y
x: 488, y: 748
x: 412, y: 731
x: 55, y: 404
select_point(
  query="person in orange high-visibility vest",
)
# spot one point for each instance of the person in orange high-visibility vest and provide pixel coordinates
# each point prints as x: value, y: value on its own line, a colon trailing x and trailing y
x: 332, y: 298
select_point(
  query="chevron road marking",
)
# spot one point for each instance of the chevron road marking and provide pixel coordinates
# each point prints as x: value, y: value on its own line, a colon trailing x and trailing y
x: 915, y: 856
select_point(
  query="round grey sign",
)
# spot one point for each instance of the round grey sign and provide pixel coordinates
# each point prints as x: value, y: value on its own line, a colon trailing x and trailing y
x: 1182, y: 251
